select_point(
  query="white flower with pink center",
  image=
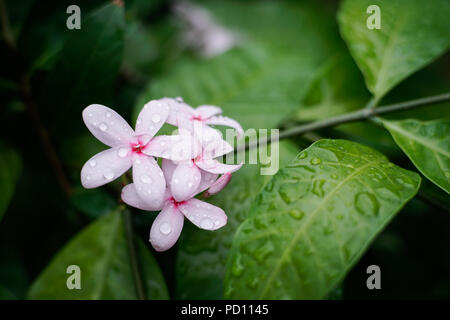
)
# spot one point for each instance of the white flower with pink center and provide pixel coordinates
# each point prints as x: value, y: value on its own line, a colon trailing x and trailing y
x: 189, y: 163
x: 135, y: 149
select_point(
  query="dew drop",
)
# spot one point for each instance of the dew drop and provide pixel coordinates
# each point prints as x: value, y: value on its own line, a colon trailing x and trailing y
x: 88, y: 177
x: 318, y: 188
x: 165, y: 228
x: 315, y: 161
x: 108, y: 114
x: 263, y: 252
x: 156, y: 118
x: 146, y: 179
x: 122, y: 153
x: 296, y: 213
x: 206, y: 223
x: 190, y: 184
x: 92, y: 163
x: 303, y: 155
x: 176, y: 181
x: 108, y: 174
x: 366, y: 204
x: 237, y: 268
x: 103, y: 126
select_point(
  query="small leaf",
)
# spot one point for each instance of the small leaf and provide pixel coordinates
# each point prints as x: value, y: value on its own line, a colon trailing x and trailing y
x: 10, y: 167
x: 314, y: 220
x: 100, y: 250
x: 413, y: 33
x: 427, y: 144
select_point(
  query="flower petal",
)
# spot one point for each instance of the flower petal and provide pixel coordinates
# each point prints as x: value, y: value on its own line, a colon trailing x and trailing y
x: 206, y: 181
x: 177, y: 108
x: 168, y: 167
x: 204, y: 133
x: 176, y: 147
x: 152, y: 117
x: 219, y: 184
x: 105, y: 167
x: 131, y: 198
x: 149, y: 180
x: 207, y: 111
x: 185, y: 181
x: 225, y: 121
x: 107, y: 125
x: 203, y: 215
x: 214, y: 166
x: 216, y: 148
x: 166, y: 228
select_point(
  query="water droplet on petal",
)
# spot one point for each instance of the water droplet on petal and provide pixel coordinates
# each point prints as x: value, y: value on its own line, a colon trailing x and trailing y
x: 88, y: 177
x: 156, y: 118
x: 206, y: 223
x: 92, y: 163
x: 190, y: 184
x: 146, y: 179
x: 108, y: 174
x: 165, y: 228
x: 103, y: 126
x: 122, y: 153
x: 108, y: 114
x: 176, y: 181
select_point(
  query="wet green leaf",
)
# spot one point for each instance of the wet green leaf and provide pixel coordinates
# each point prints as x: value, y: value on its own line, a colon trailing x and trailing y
x: 413, y: 33
x: 101, y: 252
x: 427, y: 144
x: 314, y: 220
x: 10, y: 168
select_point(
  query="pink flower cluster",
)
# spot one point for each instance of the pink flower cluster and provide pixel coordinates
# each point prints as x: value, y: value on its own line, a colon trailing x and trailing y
x: 189, y: 164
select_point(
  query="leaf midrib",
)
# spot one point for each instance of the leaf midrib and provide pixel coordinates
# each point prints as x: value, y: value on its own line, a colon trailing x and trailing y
x: 302, y: 228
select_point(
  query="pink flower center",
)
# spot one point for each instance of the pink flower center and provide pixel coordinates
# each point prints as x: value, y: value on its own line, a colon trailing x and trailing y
x: 175, y: 202
x: 138, y: 147
x: 198, y: 118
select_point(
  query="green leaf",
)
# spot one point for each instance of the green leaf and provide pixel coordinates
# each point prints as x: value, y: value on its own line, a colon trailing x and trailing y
x: 202, y: 254
x: 338, y: 88
x: 5, y: 294
x: 314, y: 220
x: 413, y: 33
x: 10, y: 168
x: 93, y: 202
x: 261, y: 81
x: 427, y: 144
x: 87, y: 69
x: 100, y: 250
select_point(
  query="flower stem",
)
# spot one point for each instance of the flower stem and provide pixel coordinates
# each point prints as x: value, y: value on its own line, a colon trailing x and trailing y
x: 362, y: 114
x: 135, y: 267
